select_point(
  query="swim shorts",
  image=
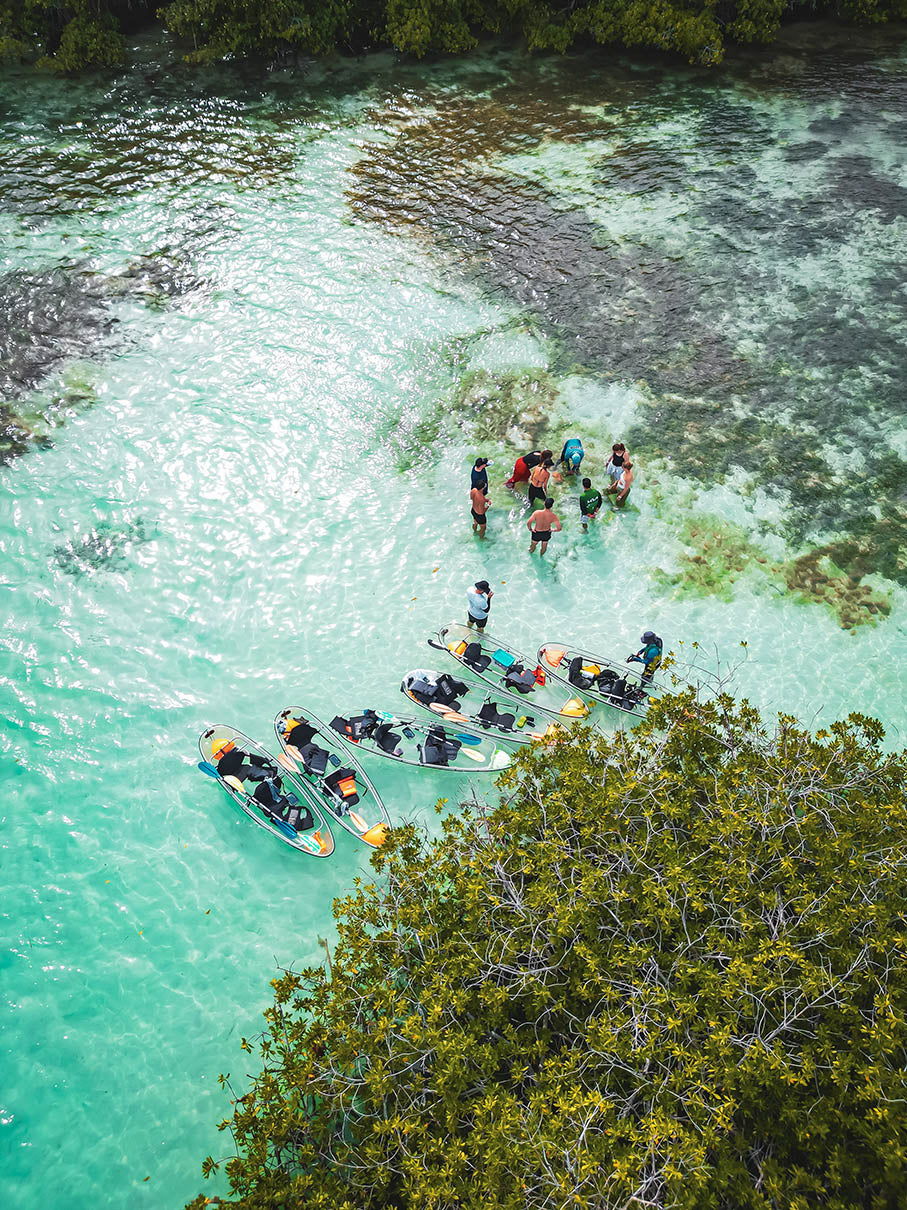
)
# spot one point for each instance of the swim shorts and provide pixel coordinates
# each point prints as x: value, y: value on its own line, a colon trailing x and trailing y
x: 479, y: 518
x: 542, y: 535
x: 479, y: 623
x: 536, y: 493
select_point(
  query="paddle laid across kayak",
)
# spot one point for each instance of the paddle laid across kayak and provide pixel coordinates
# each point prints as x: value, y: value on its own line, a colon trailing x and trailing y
x: 424, y: 745
x: 255, y: 780
x: 509, y: 672
x: 331, y: 773
x: 473, y: 706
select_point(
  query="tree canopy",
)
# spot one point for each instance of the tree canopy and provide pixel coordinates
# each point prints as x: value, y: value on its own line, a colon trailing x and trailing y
x: 85, y: 33
x: 668, y: 970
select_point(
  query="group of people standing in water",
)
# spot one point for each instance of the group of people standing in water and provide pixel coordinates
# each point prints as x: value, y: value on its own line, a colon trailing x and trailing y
x: 538, y: 470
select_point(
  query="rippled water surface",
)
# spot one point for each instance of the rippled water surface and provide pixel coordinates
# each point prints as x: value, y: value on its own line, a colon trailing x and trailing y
x: 253, y: 329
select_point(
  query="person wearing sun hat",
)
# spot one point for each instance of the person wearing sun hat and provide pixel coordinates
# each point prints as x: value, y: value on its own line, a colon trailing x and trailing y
x: 649, y: 655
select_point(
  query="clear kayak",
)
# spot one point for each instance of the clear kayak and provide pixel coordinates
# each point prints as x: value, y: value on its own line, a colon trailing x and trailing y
x: 332, y: 774
x: 257, y: 783
x: 614, y: 683
x: 518, y: 677
x: 424, y: 745
x: 473, y: 706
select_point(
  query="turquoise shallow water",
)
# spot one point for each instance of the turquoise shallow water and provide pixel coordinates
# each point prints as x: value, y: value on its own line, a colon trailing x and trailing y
x: 262, y: 325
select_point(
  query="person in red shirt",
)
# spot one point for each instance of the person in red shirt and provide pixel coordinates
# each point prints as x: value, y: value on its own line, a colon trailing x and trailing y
x: 523, y: 466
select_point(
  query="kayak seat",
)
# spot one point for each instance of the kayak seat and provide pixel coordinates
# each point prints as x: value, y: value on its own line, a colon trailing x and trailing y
x: 521, y: 680
x: 606, y: 679
x: 314, y: 759
x: 341, y: 785
x: 268, y: 792
x: 360, y: 727
x: 473, y: 658
x: 448, y: 690
x: 299, y: 818
x: 387, y: 739
x: 617, y: 690
x: 424, y: 691
x: 491, y: 716
x: 433, y: 750
x: 439, y: 748
x: 230, y: 764
x: 576, y: 676
x: 300, y: 735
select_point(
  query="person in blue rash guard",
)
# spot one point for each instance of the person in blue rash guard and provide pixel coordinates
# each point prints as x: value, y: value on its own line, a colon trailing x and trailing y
x: 649, y: 655
x: 478, y: 599
x: 572, y: 455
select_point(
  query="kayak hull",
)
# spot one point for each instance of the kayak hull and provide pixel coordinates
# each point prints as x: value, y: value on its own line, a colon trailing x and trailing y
x: 411, y: 736
x: 496, y: 659
x: 317, y: 841
x: 467, y: 718
x: 556, y: 658
x: 368, y: 818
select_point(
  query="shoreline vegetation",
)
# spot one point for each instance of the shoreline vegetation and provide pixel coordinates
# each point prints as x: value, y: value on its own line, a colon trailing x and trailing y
x: 666, y: 971
x: 81, y: 34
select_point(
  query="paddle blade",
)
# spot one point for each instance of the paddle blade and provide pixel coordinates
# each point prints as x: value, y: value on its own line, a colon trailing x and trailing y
x: 207, y: 767
x: 553, y: 655
x: 287, y: 762
x: 376, y: 835
x: 476, y: 756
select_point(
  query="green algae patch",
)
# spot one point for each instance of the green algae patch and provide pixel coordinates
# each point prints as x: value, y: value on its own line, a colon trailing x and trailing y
x: 815, y: 578
x: 513, y: 409
x: 718, y: 553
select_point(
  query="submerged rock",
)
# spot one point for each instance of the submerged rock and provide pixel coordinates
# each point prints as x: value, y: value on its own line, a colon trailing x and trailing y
x: 105, y: 547
x: 47, y: 319
x: 64, y: 314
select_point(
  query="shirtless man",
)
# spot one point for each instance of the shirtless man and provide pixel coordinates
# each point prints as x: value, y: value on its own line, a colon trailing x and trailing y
x: 479, y: 502
x: 540, y: 525
x: 623, y: 485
